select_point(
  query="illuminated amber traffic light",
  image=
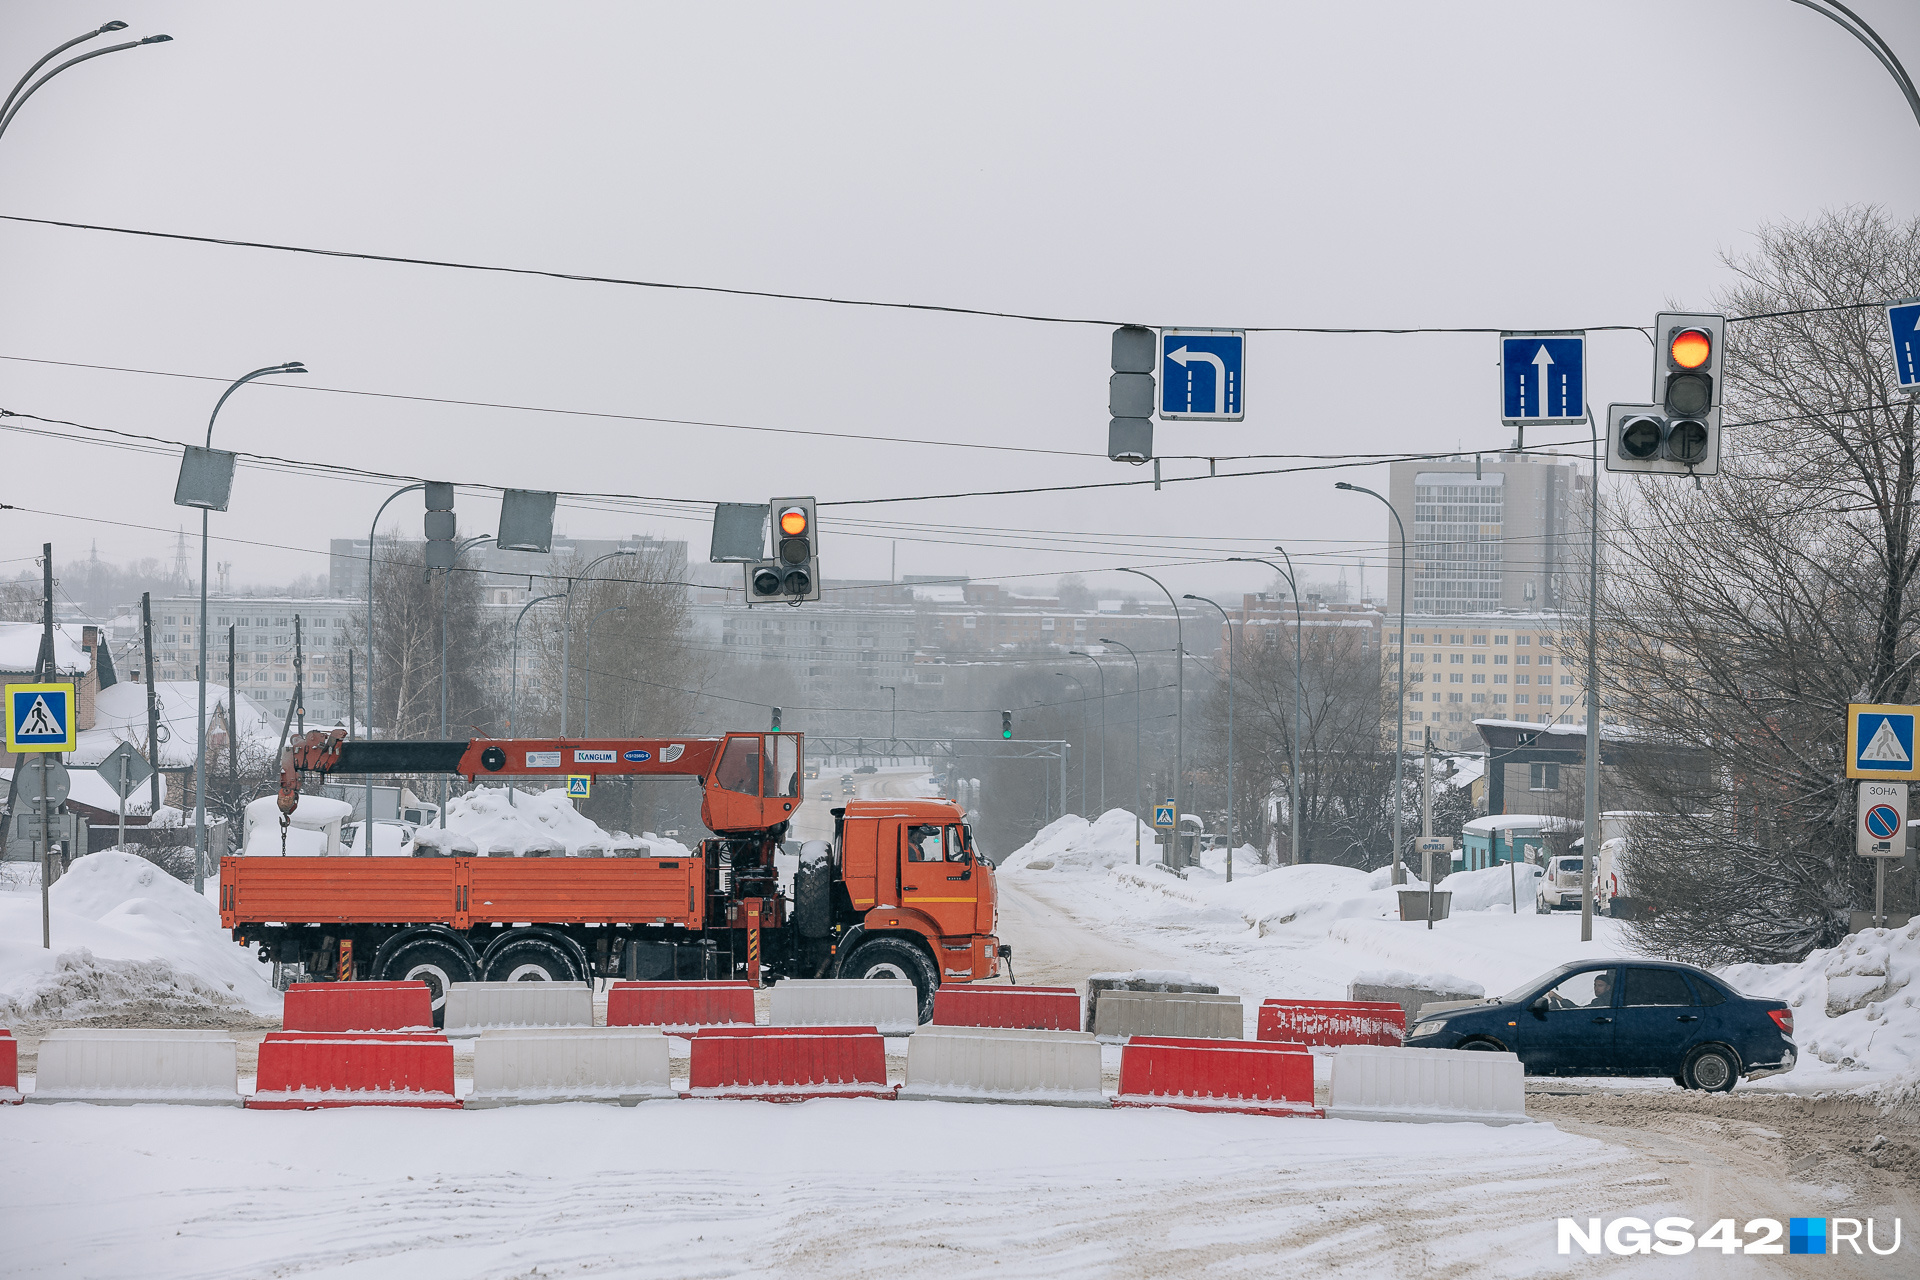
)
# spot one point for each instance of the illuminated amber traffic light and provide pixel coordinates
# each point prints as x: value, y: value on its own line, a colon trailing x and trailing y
x: 1689, y: 348
x: 793, y: 521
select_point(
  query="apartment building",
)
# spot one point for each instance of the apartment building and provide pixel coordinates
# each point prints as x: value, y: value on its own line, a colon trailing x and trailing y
x: 1499, y: 666
x: 263, y: 646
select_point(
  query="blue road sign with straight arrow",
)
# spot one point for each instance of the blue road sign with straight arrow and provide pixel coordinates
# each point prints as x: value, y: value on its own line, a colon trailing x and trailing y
x: 1543, y: 378
x: 1903, y: 328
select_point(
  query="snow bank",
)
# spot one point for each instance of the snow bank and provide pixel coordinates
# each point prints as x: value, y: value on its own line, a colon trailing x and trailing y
x: 128, y: 939
x: 1419, y: 981
x: 536, y: 822
x: 1856, y: 1007
x: 1071, y: 842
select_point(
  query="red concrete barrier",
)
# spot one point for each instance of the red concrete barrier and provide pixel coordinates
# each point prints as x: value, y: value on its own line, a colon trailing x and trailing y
x: 303, y: 1070
x: 1242, y: 1076
x: 1022, y: 1008
x: 679, y: 1004
x: 788, y: 1064
x: 9, y: 1067
x: 1328, y: 1022
x: 358, y: 1006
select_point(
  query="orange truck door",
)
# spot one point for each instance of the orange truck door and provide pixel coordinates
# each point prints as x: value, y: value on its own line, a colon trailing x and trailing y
x: 935, y: 876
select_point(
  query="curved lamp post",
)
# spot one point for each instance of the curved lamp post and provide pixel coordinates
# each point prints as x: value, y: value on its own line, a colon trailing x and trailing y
x: 1103, y: 722
x: 513, y: 693
x: 566, y: 635
x: 1083, y: 739
x: 1400, y: 662
x: 22, y: 91
x: 366, y: 817
x: 1229, y: 624
x: 1136, y: 744
x: 586, y: 693
x: 1298, y: 627
x: 200, y: 749
x: 1179, y: 706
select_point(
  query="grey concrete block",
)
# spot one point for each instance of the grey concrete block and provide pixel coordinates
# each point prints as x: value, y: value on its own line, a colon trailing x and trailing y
x: 1096, y: 985
x: 1170, y: 1013
x: 1408, y: 998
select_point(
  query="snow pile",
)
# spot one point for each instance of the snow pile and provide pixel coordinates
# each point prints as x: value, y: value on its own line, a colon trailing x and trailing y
x: 535, y: 823
x: 1419, y: 981
x: 129, y: 939
x: 1071, y: 842
x: 1856, y: 1007
x: 1493, y: 888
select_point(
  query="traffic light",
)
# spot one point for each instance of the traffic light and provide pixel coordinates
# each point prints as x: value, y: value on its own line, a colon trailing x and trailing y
x: 1006, y: 724
x: 439, y: 525
x: 776, y: 719
x: 1679, y: 433
x: 793, y: 574
x: 1130, y: 395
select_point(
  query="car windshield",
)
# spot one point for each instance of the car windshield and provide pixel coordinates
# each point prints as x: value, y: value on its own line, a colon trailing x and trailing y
x: 1532, y: 985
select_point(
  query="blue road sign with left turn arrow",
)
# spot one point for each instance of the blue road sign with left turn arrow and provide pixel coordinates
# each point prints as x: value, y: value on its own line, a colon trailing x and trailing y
x: 1203, y: 374
x: 1903, y: 327
x: 1543, y: 378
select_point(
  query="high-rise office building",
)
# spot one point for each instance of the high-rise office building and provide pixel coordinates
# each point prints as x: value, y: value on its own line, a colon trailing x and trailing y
x: 1504, y: 532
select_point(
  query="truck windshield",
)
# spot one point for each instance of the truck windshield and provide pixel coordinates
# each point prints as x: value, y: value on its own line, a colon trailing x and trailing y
x: 783, y: 765
x: 739, y: 768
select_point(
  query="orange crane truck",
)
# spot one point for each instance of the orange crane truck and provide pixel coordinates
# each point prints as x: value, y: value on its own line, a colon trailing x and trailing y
x: 899, y: 893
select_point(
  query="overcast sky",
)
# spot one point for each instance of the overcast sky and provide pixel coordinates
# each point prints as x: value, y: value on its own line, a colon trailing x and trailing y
x: 1509, y: 164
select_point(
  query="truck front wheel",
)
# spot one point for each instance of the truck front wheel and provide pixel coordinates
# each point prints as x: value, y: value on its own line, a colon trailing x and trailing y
x: 895, y: 958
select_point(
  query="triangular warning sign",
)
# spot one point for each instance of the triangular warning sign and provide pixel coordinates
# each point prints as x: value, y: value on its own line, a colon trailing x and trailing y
x: 39, y: 721
x: 1885, y: 746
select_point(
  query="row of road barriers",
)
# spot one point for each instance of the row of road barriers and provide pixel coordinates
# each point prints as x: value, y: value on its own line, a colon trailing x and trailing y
x: 1179, y: 1049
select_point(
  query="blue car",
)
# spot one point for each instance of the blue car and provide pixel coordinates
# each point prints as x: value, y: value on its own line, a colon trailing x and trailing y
x: 1624, y: 1018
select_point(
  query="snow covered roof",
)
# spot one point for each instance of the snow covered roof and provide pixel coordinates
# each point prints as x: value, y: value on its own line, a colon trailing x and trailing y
x: 939, y: 592
x: 1507, y: 821
x: 20, y: 647
x: 120, y: 715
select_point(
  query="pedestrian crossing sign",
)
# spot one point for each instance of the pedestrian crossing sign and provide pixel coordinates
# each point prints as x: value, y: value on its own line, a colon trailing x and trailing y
x: 40, y: 717
x: 1880, y: 742
x: 1163, y: 816
x: 579, y: 786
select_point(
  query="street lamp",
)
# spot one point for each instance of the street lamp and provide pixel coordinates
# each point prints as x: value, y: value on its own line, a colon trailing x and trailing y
x: 366, y: 817
x: 1400, y: 662
x: 566, y: 634
x: 1229, y: 624
x: 513, y: 692
x: 1103, y: 723
x: 214, y: 494
x: 1298, y: 627
x: 22, y: 91
x: 1179, y: 706
x: 446, y: 592
x: 1136, y: 744
x: 1083, y: 739
x: 586, y: 694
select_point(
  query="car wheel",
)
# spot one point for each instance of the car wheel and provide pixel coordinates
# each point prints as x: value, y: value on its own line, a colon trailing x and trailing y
x: 434, y: 961
x: 894, y: 958
x: 1681, y: 1080
x: 1484, y: 1046
x: 1712, y: 1069
x: 1540, y: 906
x: 531, y: 960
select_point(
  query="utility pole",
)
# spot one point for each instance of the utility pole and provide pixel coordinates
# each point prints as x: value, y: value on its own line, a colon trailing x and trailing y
x: 299, y: 678
x: 233, y: 716
x: 350, y: 694
x: 153, y: 701
x: 1426, y: 819
x: 44, y: 671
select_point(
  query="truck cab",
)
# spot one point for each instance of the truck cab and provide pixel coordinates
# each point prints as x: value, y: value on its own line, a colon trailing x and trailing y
x: 909, y: 871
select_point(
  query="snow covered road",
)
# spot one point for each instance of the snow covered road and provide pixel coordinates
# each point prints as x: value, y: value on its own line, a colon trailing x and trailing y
x: 826, y: 1188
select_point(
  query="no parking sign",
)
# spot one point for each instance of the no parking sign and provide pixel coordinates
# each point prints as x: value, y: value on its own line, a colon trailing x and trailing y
x: 1880, y: 827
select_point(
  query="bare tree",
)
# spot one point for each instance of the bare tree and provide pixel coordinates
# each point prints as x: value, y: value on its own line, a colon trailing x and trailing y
x: 408, y: 605
x: 1739, y: 619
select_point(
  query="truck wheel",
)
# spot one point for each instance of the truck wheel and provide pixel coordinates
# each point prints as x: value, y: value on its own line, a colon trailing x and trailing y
x: 531, y: 959
x: 434, y: 961
x: 1712, y: 1069
x: 813, y: 897
x: 894, y: 958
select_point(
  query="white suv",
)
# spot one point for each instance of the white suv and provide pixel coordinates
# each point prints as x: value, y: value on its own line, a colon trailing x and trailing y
x: 1560, y: 886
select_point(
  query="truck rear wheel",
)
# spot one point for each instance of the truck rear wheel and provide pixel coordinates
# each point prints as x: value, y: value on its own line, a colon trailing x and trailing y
x: 438, y: 962
x: 895, y: 958
x: 531, y: 959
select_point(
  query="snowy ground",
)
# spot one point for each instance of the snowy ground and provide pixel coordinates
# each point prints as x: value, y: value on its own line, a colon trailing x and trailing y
x: 825, y: 1188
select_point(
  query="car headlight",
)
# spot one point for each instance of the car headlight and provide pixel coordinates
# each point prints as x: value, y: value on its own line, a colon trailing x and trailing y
x: 1426, y: 1029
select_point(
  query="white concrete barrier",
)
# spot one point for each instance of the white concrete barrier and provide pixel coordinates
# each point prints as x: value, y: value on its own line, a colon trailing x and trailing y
x: 569, y: 1064
x: 998, y: 1064
x: 890, y: 1004
x: 1188, y: 1014
x: 127, y: 1066
x: 473, y: 1007
x: 1426, y: 1085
